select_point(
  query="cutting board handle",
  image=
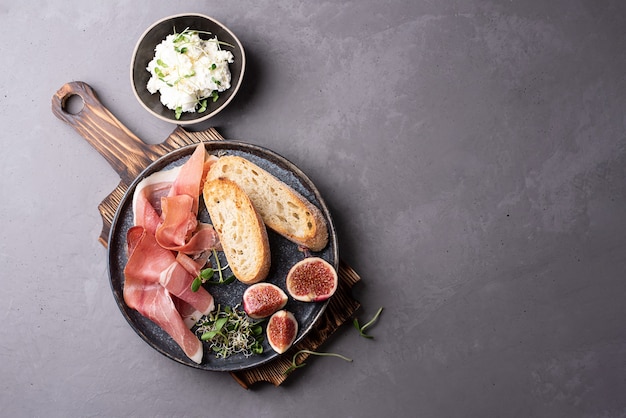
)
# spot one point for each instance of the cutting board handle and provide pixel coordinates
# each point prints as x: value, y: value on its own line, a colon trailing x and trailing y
x: 125, y: 152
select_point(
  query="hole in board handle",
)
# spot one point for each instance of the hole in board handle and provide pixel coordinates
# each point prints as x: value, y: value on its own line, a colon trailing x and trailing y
x: 73, y: 104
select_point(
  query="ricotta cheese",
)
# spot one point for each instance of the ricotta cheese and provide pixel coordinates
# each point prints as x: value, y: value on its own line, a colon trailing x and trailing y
x: 187, y: 71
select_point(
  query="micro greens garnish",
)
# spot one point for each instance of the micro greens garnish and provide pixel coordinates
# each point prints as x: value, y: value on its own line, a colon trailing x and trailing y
x: 203, y: 105
x: 295, y: 366
x: 220, y: 269
x: 183, y: 37
x: 230, y: 331
x: 207, y: 274
x: 159, y: 73
x: 362, y: 329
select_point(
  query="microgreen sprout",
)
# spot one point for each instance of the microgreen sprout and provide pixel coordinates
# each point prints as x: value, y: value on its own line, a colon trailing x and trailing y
x: 206, y: 275
x: 230, y: 331
x: 220, y: 273
x: 365, y: 326
x: 183, y: 37
x: 203, y: 106
x: 295, y: 366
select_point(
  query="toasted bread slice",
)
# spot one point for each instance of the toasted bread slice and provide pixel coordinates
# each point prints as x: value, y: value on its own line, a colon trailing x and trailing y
x: 282, y: 208
x: 241, y: 230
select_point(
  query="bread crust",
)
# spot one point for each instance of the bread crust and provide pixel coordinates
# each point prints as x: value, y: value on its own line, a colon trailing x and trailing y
x: 282, y: 208
x: 241, y: 230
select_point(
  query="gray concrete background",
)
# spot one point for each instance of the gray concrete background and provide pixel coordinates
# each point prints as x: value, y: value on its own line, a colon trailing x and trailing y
x: 473, y: 156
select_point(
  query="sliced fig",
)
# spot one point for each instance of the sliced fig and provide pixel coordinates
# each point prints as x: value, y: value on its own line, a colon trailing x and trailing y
x: 263, y: 299
x: 282, y: 329
x: 312, y: 280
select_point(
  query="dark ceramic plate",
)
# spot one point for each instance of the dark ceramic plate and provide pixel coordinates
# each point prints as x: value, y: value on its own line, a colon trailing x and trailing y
x: 284, y: 255
x: 144, y: 52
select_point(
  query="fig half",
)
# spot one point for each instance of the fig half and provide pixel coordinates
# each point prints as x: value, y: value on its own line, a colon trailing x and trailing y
x: 281, y: 331
x: 312, y: 280
x: 263, y: 299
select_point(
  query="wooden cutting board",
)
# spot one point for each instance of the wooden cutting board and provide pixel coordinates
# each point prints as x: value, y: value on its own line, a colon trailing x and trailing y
x: 129, y: 156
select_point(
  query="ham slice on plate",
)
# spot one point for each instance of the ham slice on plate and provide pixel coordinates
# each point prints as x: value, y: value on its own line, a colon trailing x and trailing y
x: 144, y: 292
x: 193, y: 265
x: 189, y: 314
x: 180, y: 229
x: 147, y: 198
x: 159, y: 273
x: 166, y: 204
x: 189, y: 180
x: 155, y: 303
x: 177, y: 280
x: 179, y: 221
x: 146, y: 258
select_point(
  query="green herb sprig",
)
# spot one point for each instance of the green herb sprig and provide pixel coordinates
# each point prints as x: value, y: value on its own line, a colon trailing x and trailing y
x: 295, y: 366
x: 365, y: 326
x: 207, y: 274
x: 184, y: 37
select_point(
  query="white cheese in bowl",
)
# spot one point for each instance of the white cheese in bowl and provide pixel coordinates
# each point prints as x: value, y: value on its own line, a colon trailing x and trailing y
x: 187, y: 71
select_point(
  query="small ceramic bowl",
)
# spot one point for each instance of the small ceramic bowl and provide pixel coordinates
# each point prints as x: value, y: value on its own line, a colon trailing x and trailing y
x: 144, y: 52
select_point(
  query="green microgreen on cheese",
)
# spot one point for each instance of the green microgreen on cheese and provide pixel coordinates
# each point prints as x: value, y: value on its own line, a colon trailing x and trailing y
x: 159, y: 72
x: 203, y: 105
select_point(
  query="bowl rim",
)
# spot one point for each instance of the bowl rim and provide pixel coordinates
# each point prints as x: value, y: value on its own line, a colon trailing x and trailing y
x: 234, y: 89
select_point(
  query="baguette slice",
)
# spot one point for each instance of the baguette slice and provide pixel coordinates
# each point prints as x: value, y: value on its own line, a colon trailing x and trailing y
x: 282, y: 208
x: 240, y: 228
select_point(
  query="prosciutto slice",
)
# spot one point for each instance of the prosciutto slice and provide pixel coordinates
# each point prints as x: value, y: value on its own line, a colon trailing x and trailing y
x: 193, y: 266
x: 179, y: 229
x: 189, y: 314
x: 155, y: 303
x: 179, y: 221
x: 143, y: 291
x: 177, y: 280
x: 159, y: 273
x: 147, y: 208
x: 146, y: 258
x: 189, y: 179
